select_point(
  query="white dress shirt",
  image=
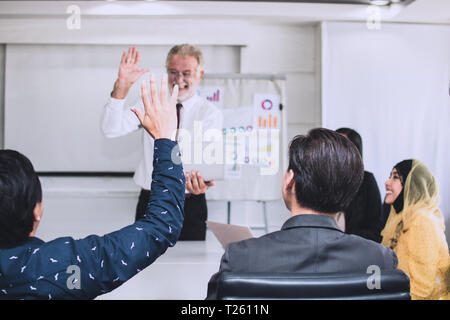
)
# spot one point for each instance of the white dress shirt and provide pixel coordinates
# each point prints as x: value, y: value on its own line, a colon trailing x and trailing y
x: 119, y: 120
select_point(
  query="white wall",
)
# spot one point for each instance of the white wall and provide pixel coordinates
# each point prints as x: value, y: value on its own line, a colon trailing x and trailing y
x: 2, y: 91
x: 392, y: 86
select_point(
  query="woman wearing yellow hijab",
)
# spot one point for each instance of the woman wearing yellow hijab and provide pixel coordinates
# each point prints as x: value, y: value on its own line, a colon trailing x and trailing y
x: 415, y: 230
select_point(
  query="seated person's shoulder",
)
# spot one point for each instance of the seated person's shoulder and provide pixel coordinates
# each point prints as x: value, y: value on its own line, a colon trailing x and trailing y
x: 252, y: 244
x: 374, y: 251
x: 369, y: 178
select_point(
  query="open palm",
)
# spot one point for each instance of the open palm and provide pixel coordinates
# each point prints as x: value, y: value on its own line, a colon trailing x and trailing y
x: 129, y: 71
x: 160, y: 117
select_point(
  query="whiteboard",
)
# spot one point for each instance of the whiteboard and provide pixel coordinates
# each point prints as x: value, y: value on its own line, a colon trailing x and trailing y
x: 238, y: 92
x: 55, y: 95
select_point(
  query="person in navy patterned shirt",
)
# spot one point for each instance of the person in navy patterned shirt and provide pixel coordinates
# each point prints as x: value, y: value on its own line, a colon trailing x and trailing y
x: 83, y: 269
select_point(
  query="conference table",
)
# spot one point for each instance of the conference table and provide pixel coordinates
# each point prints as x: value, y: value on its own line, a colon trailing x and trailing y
x: 182, y: 273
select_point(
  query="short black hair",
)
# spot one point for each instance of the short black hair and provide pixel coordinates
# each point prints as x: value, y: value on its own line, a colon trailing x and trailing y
x: 20, y: 191
x: 353, y: 136
x: 328, y: 170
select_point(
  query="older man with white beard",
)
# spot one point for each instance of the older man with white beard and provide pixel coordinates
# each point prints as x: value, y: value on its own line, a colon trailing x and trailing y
x: 185, y: 68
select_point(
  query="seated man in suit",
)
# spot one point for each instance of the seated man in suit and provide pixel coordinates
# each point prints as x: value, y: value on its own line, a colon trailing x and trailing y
x: 325, y: 171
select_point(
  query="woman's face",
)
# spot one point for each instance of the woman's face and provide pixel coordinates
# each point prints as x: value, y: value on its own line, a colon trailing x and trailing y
x: 393, y: 187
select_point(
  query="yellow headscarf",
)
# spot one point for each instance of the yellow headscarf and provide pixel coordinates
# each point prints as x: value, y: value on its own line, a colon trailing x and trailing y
x: 423, y: 252
x: 421, y: 196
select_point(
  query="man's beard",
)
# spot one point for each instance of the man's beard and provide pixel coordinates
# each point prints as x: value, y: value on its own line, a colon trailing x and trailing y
x: 187, y: 94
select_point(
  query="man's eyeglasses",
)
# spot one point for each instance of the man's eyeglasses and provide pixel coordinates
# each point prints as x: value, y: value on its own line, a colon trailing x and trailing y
x: 175, y: 74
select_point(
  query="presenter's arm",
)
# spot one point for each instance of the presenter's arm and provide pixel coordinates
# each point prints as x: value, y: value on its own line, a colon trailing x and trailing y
x: 213, y: 119
x: 116, y: 121
x: 129, y: 73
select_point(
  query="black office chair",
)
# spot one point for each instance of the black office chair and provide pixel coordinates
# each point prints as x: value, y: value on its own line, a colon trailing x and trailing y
x: 392, y: 285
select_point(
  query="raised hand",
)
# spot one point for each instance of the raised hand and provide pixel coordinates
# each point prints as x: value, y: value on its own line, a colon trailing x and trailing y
x: 129, y: 73
x: 160, y: 118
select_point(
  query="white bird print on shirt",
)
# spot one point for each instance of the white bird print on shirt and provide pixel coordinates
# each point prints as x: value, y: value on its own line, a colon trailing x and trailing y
x: 32, y: 288
x: 41, y: 277
x: 132, y: 246
x: 22, y: 269
x: 164, y: 212
x: 56, y: 277
x: 93, y: 249
x: 90, y: 276
x: 13, y: 258
x: 123, y: 262
x: 139, y: 229
x: 170, y: 168
x: 165, y: 190
x: 53, y: 260
x: 101, y: 264
x: 4, y: 291
x: 78, y: 259
x: 170, y: 229
x: 35, y: 250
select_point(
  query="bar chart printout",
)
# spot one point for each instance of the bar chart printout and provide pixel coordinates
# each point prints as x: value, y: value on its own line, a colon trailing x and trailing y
x: 267, y: 121
x: 266, y: 111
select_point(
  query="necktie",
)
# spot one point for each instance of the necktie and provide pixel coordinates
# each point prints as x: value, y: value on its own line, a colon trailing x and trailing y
x: 179, y: 106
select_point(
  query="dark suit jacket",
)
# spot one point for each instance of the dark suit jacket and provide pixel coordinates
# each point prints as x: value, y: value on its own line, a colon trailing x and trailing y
x: 307, y: 244
x: 363, y: 215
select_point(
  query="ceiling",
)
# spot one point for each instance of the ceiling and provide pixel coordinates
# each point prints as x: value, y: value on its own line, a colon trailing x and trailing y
x: 304, y: 1
x: 364, y: 2
x: 293, y: 11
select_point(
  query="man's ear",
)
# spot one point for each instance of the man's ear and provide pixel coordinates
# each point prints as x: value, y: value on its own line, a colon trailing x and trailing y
x: 201, y: 74
x: 290, y: 183
x: 37, y: 211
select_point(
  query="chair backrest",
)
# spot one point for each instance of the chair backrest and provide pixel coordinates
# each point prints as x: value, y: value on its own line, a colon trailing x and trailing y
x: 388, y: 285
